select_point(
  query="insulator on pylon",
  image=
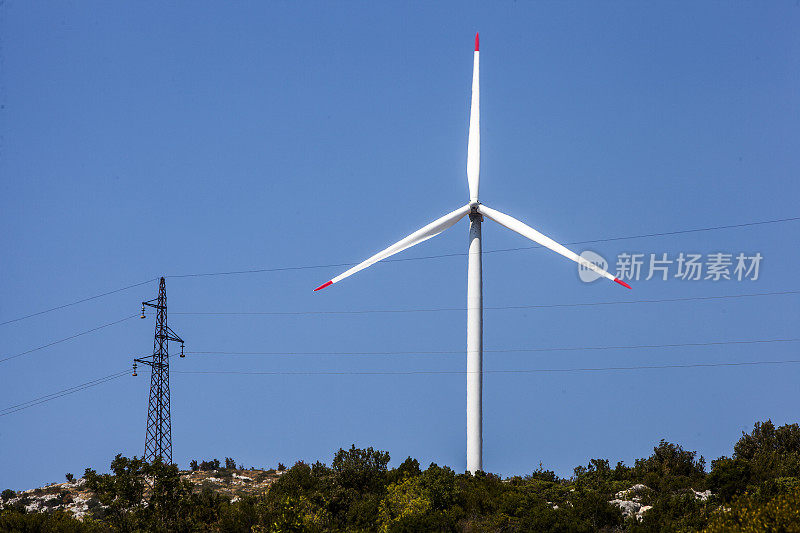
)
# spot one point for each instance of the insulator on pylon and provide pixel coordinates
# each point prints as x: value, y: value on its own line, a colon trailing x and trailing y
x: 134, y: 370
x: 142, y: 312
x: 182, y: 354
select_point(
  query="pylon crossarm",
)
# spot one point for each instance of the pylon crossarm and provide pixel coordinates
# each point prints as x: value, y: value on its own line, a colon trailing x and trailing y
x: 152, y: 364
x: 146, y: 360
x: 171, y: 335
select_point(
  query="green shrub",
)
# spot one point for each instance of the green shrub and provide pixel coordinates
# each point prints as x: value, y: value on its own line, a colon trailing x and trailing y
x: 748, y: 514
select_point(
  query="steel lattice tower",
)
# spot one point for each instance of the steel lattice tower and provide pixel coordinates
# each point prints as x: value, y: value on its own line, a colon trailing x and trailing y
x: 158, y: 440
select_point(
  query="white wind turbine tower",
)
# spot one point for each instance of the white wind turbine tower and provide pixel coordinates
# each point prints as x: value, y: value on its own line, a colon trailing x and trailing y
x: 476, y: 212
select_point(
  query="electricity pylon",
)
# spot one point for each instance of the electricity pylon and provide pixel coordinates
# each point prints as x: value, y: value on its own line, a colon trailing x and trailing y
x: 158, y: 440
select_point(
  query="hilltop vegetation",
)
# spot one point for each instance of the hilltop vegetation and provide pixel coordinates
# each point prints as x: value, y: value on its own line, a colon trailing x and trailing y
x: 756, y: 489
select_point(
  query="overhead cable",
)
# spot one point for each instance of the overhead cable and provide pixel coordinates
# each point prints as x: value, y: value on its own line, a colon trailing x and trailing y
x: 457, y: 254
x: 486, y: 308
x: 463, y: 372
x: 510, y: 350
x: 8, y: 358
x: 461, y: 254
x: 49, y: 397
x: 78, y: 301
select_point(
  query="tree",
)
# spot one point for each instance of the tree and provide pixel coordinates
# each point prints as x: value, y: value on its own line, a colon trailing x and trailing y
x: 746, y: 513
x: 140, y: 495
x: 122, y: 493
x: 768, y: 443
x: 548, y: 475
x: 168, y: 496
x: 357, y: 482
x: 729, y: 477
x: 766, y: 461
x: 671, y: 468
x: 440, y: 483
x: 70, y: 477
x: 361, y: 470
x: 408, y: 468
x: 193, y: 465
x: 210, y: 465
x: 405, y: 502
x: 230, y: 464
x: 7, y: 494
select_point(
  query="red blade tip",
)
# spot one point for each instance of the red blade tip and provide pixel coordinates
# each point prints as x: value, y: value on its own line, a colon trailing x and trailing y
x: 622, y: 283
x: 476, y: 42
x: 326, y: 284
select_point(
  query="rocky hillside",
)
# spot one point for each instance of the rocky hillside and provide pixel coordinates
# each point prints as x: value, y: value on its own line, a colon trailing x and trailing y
x: 757, y: 488
x: 74, y: 498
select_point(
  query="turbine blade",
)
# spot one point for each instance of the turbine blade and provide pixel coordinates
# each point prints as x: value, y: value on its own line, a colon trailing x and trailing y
x: 526, y: 231
x: 431, y: 230
x: 474, y: 146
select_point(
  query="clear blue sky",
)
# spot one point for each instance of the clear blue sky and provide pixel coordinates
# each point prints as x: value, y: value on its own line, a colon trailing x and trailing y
x: 142, y: 139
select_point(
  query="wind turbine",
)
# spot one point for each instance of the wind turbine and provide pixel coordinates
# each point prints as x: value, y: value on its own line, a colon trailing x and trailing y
x: 476, y: 212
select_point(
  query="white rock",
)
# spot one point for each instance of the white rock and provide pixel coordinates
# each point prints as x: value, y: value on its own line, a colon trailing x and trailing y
x: 636, y: 490
x: 79, y: 507
x: 628, y: 507
x: 80, y: 482
x: 644, y: 509
x: 632, y: 507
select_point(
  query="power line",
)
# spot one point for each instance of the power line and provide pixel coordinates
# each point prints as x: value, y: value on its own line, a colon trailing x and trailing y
x: 78, y: 302
x: 486, y: 308
x: 512, y: 350
x: 99, y: 381
x: 696, y: 230
x: 276, y: 269
x: 459, y: 254
x: 518, y: 371
x: 511, y: 307
x: 59, y: 394
x: 300, y: 313
x: 332, y: 265
x: 8, y: 358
